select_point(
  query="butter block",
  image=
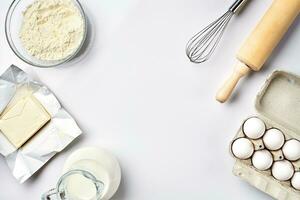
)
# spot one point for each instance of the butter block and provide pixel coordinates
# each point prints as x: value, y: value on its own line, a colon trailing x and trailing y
x: 23, y: 119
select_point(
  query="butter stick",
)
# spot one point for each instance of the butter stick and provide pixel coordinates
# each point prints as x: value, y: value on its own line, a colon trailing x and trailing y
x: 23, y: 119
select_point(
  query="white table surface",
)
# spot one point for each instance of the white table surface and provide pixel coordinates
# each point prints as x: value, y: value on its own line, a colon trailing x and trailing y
x: 136, y: 94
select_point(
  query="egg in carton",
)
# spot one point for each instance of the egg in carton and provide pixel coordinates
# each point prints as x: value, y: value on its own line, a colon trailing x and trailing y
x: 267, y: 146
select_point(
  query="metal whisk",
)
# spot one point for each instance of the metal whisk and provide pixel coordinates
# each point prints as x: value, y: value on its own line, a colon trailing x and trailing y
x: 201, y: 46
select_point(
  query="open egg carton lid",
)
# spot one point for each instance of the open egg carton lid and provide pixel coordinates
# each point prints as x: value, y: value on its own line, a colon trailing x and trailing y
x: 278, y: 104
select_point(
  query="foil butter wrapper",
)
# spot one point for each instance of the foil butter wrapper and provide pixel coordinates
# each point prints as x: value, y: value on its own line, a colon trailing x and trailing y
x: 60, y: 131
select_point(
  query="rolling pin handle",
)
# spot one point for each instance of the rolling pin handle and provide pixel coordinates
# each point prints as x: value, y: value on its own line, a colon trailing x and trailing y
x: 225, y: 91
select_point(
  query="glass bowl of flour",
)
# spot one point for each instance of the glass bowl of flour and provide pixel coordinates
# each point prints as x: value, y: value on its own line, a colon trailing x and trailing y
x: 46, y: 33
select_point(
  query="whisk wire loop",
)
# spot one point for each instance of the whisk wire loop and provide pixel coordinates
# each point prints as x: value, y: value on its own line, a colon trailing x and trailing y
x: 201, y: 46
x: 209, y: 37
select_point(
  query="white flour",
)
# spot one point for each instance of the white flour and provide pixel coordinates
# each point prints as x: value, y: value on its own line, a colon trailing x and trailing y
x: 52, y: 29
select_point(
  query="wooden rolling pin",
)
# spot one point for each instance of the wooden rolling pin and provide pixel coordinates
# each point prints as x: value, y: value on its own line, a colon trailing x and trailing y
x: 261, y: 42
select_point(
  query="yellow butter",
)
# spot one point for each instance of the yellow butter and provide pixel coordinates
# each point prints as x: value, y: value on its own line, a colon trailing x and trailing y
x: 23, y: 119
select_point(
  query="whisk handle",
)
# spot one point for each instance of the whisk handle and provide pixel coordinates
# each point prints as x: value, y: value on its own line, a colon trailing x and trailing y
x: 235, y: 7
x: 225, y: 91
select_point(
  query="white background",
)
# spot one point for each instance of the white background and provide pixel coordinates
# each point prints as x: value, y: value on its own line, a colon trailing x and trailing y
x: 136, y: 94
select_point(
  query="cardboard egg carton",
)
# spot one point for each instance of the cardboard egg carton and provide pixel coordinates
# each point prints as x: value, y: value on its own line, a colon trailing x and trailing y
x: 278, y: 105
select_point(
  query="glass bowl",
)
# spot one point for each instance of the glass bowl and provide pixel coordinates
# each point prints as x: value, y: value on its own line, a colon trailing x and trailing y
x: 13, y: 24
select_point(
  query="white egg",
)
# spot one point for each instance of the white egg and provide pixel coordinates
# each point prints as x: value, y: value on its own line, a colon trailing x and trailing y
x: 242, y: 148
x: 254, y: 128
x: 296, y: 181
x: 282, y: 170
x: 262, y: 160
x: 273, y: 139
x: 291, y: 150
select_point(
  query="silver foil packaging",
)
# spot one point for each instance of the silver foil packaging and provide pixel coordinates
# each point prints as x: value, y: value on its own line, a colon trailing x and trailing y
x: 52, y: 138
